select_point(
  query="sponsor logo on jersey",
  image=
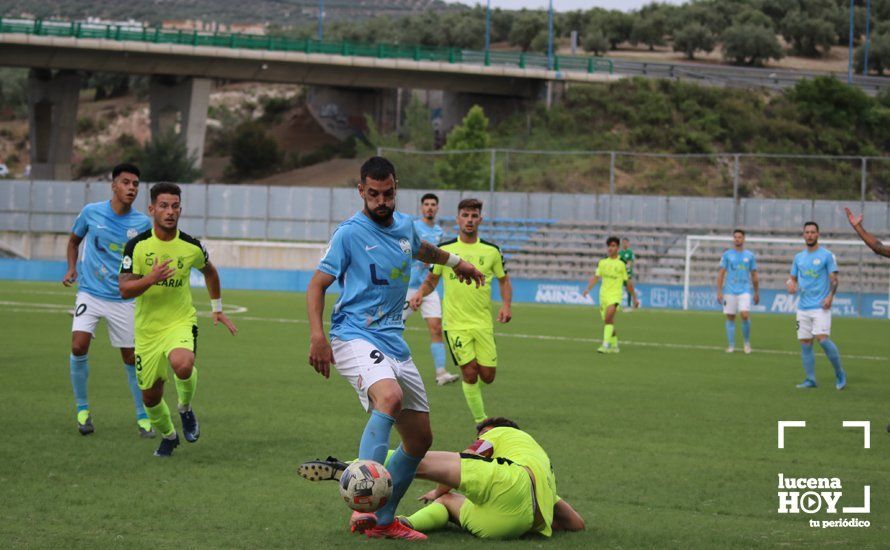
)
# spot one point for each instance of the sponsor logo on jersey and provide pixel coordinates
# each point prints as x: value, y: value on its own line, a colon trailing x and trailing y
x: 405, y: 245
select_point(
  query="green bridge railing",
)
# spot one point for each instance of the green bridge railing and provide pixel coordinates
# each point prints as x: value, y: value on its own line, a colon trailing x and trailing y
x: 75, y: 29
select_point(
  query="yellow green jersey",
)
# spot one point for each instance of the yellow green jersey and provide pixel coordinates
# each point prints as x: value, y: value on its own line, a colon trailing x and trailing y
x: 613, y: 273
x: 521, y: 448
x: 465, y: 306
x: 167, y: 303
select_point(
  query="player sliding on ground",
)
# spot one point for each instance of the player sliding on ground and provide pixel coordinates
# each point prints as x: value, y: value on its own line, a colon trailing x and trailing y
x: 370, y: 255
x: 104, y: 227
x: 814, y: 277
x: 155, y: 270
x: 469, y: 330
x: 505, y: 482
x: 431, y: 305
x: 735, y: 291
x: 613, y: 273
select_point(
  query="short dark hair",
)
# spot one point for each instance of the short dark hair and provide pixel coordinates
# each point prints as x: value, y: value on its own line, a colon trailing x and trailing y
x: 496, y: 422
x: 611, y: 240
x: 428, y: 196
x: 814, y: 224
x: 378, y: 168
x: 470, y: 204
x: 742, y: 231
x: 164, y: 188
x: 124, y: 167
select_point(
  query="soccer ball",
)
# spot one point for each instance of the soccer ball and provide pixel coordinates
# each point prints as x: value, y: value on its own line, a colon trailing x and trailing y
x: 365, y: 486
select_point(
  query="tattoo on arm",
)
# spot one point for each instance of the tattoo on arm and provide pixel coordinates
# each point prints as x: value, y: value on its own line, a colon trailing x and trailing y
x: 833, y: 285
x: 431, y: 254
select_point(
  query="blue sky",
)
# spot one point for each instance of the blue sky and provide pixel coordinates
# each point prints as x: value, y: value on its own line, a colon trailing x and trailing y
x: 565, y: 5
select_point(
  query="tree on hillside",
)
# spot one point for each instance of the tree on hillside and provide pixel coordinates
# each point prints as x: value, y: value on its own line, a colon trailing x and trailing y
x: 693, y: 37
x: 810, y: 27
x: 751, y: 39
x: 466, y: 170
x: 526, y: 26
x: 878, y: 54
x: 595, y: 41
x: 165, y: 158
x: 649, y: 30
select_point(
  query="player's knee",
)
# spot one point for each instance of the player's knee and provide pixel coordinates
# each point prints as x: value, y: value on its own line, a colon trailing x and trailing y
x: 487, y: 375
x: 389, y: 402
x: 128, y: 355
x: 732, y: 317
x: 79, y: 349
x: 470, y: 373
x: 745, y: 315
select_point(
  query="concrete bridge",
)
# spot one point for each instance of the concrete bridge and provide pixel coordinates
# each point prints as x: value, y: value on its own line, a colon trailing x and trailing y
x: 182, y: 65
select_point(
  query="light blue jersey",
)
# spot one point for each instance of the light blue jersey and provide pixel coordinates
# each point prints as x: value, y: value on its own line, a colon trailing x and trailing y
x: 373, y: 266
x: 738, y: 266
x: 432, y: 235
x: 812, y: 270
x: 104, y: 234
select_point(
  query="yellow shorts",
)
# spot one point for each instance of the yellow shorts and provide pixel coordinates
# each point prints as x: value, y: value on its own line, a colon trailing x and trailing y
x: 499, y: 497
x: 151, y: 354
x: 466, y: 345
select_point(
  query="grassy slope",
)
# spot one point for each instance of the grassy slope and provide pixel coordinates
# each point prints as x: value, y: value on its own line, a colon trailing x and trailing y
x: 657, y: 447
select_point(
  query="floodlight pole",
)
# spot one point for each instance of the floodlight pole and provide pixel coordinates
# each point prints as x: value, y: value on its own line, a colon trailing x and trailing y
x: 850, y: 61
x: 550, y: 37
x: 320, y: 20
x: 488, y: 33
x: 867, y: 36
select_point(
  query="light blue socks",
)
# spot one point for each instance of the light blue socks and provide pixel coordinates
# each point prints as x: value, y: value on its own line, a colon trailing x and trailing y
x: 402, y: 468
x: 809, y: 361
x: 437, y: 349
x: 135, y: 391
x: 730, y: 332
x: 80, y: 372
x: 833, y: 355
x: 746, y: 330
x: 375, y: 438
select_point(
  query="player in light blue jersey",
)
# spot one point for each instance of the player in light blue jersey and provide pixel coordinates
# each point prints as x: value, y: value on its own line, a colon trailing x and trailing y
x: 814, y: 278
x: 431, y: 305
x: 736, y: 283
x: 104, y: 228
x: 370, y: 255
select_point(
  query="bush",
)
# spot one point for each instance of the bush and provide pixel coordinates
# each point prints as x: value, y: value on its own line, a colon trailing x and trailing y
x: 254, y: 153
x: 469, y: 170
x: 165, y: 158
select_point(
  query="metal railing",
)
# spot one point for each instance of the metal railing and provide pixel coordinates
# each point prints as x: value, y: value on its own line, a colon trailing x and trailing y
x: 381, y: 50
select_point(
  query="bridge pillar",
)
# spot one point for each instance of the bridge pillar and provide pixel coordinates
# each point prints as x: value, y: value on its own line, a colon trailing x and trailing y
x: 52, y: 121
x: 341, y: 111
x: 179, y: 105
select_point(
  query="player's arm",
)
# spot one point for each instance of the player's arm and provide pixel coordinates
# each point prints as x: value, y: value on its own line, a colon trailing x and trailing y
x: 833, y: 283
x: 321, y: 357
x: 211, y: 280
x: 74, y: 241
x: 132, y: 285
x: 426, y: 288
x: 755, y: 283
x: 633, y: 293
x: 721, y: 277
x: 876, y: 245
x: 565, y: 518
x: 465, y: 271
x: 506, y: 288
x: 590, y: 284
x: 791, y: 284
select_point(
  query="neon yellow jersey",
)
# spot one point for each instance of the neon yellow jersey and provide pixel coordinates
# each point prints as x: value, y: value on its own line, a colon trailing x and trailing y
x: 167, y: 303
x: 522, y: 449
x: 613, y: 273
x: 465, y: 306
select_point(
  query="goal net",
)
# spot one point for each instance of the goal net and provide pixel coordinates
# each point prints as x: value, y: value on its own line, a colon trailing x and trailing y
x: 864, y: 289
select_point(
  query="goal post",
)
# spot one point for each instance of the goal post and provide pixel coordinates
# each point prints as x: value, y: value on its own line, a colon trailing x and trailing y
x: 863, y: 274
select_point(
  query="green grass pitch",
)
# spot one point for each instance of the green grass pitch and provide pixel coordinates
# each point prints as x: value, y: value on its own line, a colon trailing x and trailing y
x: 672, y: 443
